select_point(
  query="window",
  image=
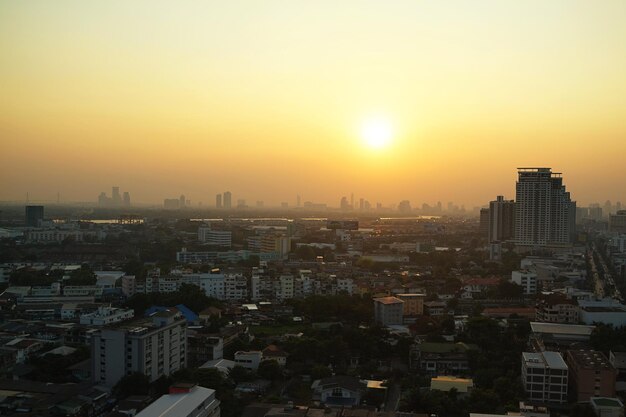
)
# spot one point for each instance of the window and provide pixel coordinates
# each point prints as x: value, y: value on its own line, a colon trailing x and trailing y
x: 337, y: 392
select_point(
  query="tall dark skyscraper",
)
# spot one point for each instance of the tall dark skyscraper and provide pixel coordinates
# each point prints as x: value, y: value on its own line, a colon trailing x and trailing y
x: 126, y: 199
x: 34, y: 214
x: 116, y: 196
x: 544, y: 212
x: 218, y: 201
x: 501, y: 219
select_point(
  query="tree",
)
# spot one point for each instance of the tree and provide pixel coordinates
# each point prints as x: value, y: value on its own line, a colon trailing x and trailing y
x: 82, y: 276
x: 270, y: 369
x: 319, y: 372
x: 240, y: 374
x: 133, y: 384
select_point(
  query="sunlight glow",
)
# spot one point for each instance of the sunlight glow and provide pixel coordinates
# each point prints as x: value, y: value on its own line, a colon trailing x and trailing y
x: 377, y: 133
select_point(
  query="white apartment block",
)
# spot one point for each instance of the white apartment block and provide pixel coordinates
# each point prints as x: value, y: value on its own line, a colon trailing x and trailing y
x: 388, y: 310
x: 154, y: 346
x: 526, y: 279
x: 544, y: 376
x: 215, y: 237
x: 106, y: 315
x: 249, y: 360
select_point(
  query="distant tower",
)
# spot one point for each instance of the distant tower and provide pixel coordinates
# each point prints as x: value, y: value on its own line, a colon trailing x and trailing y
x: 33, y: 216
x: 126, y: 199
x: 218, y: 201
x: 116, y: 197
x: 352, y: 201
x: 182, y: 201
x: 343, y: 204
x: 298, y: 200
x: 544, y: 211
x: 228, y: 200
x: 501, y: 219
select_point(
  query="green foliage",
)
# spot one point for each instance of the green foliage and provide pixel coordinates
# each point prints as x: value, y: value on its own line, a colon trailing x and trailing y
x: 345, y: 308
x: 133, y: 384
x: 30, y: 277
x: 240, y: 374
x: 270, y: 369
x: 82, y: 276
x: 319, y: 372
x: 606, y: 337
x: 53, y: 368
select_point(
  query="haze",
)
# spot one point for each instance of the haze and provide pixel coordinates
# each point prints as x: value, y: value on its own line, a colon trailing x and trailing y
x: 267, y: 98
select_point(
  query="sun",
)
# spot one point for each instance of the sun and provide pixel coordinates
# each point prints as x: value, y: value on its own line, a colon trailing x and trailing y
x: 376, y: 133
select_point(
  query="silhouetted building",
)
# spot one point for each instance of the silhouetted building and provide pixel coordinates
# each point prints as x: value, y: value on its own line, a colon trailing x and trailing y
x: 617, y: 222
x: 218, y: 201
x: 544, y: 212
x: 34, y: 215
x: 126, y: 199
x: 501, y: 220
x: 116, y: 196
x: 483, y: 226
x: 228, y: 200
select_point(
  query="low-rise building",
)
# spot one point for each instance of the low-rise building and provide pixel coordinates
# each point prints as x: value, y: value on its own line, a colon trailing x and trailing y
x: 447, y: 383
x: 545, y: 377
x: 105, y: 315
x: 607, y: 407
x: 527, y: 280
x: 590, y: 374
x: 184, y: 400
x: 249, y: 360
x: 388, y: 310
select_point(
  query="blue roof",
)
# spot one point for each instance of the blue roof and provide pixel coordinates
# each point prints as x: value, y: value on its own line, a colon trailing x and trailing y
x: 189, y: 315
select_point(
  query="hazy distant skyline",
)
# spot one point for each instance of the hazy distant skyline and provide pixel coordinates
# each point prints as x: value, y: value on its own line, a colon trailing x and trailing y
x: 267, y: 99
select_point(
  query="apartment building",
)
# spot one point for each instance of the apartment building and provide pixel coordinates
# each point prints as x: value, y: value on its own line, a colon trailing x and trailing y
x: 545, y: 377
x: 184, y: 400
x: 388, y: 310
x: 526, y: 279
x: 591, y: 374
x: 154, y: 346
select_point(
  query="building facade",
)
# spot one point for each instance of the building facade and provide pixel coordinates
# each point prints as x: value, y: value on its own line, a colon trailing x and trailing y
x: 545, y: 377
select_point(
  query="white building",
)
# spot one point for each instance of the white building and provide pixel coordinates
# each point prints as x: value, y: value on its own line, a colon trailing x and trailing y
x: 388, y: 310
x: 106, y: 315
x: 606, y: 311
x: 184, y: 400
x: 215, y: 237
x: 249, y: 360
x: 526, y: 279
x: 154, y: 346
x: 545, y: 376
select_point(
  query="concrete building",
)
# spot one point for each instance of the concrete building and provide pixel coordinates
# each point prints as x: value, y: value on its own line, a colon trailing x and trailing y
x: 249, y: 360
x: 544, y: 212
x: 184, y: 400
x: 388, y: 310
x: 605, y: 311
x: 228, y: 200
x: 527, y: 280
x: 33, y: 216
x: 617, y: 222
x: 557, y: 309
x: 215, y: 237
x: 483, y: 226
x: 218, y: 201
x: 154, y: 346
x: 501, y: 220
x: 590, y: 374
x: 106, y: 315
x: 545, y: 377
x: 413, y: 304
x: 607, y: 407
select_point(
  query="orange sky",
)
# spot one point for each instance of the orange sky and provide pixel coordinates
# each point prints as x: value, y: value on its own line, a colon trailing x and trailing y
x: 267, y: 98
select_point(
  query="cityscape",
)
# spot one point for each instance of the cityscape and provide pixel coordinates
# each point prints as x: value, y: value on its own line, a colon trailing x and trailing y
x: 313, y: 209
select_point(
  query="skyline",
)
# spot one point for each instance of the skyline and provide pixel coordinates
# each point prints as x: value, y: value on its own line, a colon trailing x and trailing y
x: 269, y: 99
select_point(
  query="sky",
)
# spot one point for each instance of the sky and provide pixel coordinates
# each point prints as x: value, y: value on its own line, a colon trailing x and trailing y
x: 269, y: 99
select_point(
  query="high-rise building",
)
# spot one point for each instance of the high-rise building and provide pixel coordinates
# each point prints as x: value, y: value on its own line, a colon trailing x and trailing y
x: 404, y: 206
x: 228, y: 200
x: 501, y: 219
x: 154, y: 346
x: 182, y: 201
x: 116, y: 197
x: 126, y: 199
x: 483, y: 225
x: 544, y: 212
x: 218, y: 201
x: 33, y: 215
x: 298, y: 200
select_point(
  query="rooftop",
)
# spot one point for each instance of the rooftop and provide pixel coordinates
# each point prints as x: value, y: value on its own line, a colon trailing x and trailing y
x: 552, y: 360
x: 563, y: 329
x: 388, y: 300
x: 589, y: 359
x: 177, y: 404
